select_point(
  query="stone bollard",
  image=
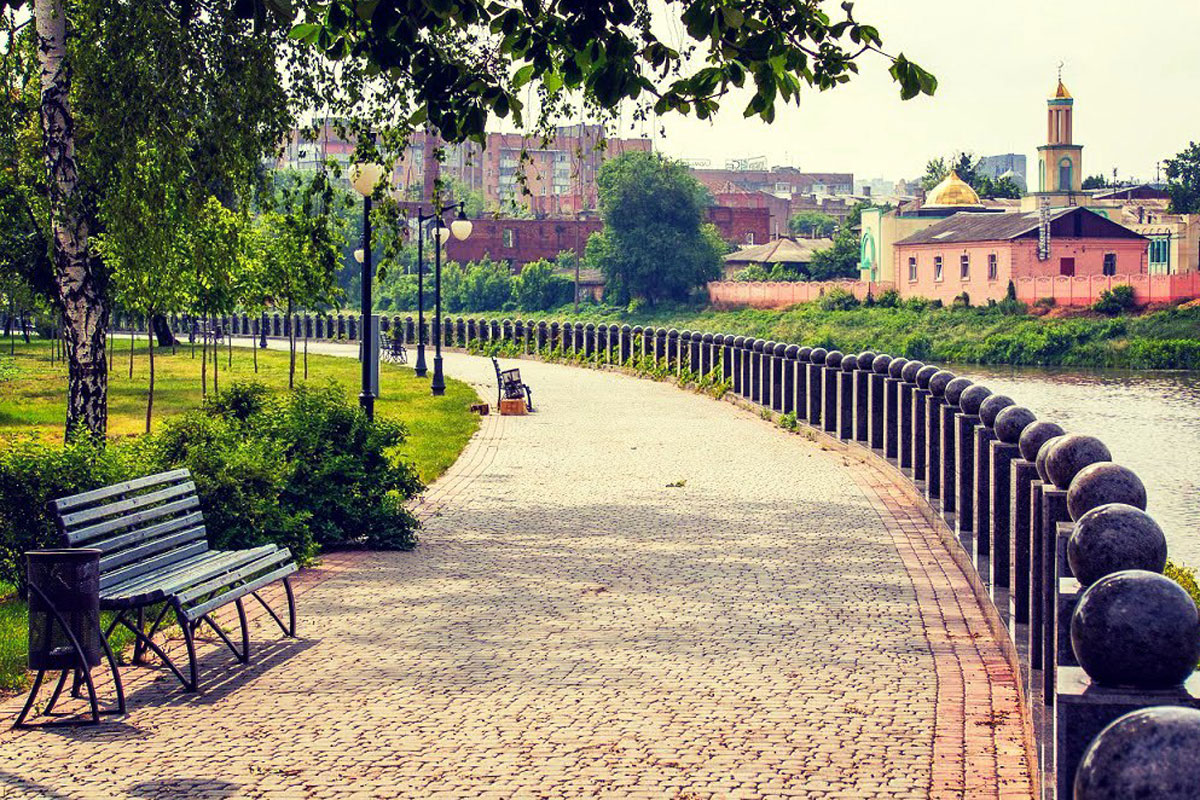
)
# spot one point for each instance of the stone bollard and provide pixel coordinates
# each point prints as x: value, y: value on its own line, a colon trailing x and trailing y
x: 766, y: 365
x: 933, y: 437
x: 352, y: 323
x: 625, y: 345
x: 846, y: 397
x: 891, y: 409
x: 1025, y: 487
x: 908, y: 385
x: 829, y: 385
x: 506, y: 330
x: 879, y: 371
x: 708, y: 343
x: 747, y: 368
x: 985, y: 434
x: 727, y: 349
x: 777, y: 394
x: 756, y: 370
x: 1065, y: 456
x: 683, y: 359
x: 965, y: 421
x: 920, y: 423
x: 497, y: 333
x: 1009, y: 547
x: 950, y: 462
x: 787, y: 387
x: 589, y: 340
x: 660, y: 345
x: 816, y: 363
x: 1150, y: 752
x: 803, y: 356
x: 1136, y: 635
x: 735, y: 361
x: 699, y: 347
x: 673, y: 349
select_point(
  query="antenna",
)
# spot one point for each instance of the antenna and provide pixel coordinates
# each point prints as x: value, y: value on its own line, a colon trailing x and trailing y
x: 1060, y: 66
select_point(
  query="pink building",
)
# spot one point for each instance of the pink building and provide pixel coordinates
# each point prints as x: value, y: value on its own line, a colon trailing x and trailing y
x: 980, y: 253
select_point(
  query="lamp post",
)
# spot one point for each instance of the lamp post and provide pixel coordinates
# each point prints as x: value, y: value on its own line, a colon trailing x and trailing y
x: 420, y: 368
x: 365, y: 177
x: 461, y: 228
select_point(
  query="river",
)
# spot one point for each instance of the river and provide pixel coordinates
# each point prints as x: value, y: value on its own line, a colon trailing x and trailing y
x: 1149, y: 420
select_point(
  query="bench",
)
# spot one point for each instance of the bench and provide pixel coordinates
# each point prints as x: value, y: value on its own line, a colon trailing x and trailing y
x: 509, y: 386
x: 155, y: 556
x: 394, y: 351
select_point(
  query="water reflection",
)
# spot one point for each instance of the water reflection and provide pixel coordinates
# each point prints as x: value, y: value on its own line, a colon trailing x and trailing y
x: 1149, y: 420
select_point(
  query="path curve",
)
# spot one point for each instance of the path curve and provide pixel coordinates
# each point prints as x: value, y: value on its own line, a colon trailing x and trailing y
x: 636, y: 591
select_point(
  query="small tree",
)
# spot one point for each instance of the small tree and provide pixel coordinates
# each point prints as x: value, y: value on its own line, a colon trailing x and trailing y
x: 1183, y: 180
x: 812, y: 223
x: 215, y: 255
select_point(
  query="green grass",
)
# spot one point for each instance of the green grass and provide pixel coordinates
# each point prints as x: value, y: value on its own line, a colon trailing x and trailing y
x: 33, y: 400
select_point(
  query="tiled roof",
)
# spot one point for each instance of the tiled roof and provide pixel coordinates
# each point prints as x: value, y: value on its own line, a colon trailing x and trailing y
x: 780, y: 251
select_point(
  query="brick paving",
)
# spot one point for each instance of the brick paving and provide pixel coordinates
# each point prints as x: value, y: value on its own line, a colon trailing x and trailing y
x: 635, y: 592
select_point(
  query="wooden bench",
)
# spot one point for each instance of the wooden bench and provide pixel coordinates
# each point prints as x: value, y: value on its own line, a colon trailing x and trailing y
x: 509, y: 386
x: 154, y: 552
x: 394, y: 351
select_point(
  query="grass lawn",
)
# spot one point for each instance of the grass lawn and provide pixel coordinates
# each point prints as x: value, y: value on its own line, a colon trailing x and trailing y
x: 33, y: 400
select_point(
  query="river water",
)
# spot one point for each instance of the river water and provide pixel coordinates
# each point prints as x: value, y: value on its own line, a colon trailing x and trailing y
x: 1149, y: 420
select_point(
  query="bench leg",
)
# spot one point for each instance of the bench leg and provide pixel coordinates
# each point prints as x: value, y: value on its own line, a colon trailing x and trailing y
x: 189, y: 638
x: 242, y: 655
x: 290, y: 628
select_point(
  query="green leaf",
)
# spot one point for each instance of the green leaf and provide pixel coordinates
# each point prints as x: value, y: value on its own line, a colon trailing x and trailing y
x: 306, y: 32
x: 522, y: 76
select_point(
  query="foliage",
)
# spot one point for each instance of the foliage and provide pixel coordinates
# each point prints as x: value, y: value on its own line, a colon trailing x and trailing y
x: 838, y: 299
x: 787, y: 273
x: 537, y: 288
x: 655, y: 244
x: 1096, y: 181
x: 1185, y: 577
x: 1183, y: 180
x: 1116, y: 300
x: 841, y: 260
x: 966, y: 166
x: 812, y: 223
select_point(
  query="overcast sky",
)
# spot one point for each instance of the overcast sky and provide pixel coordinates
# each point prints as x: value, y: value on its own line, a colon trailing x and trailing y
x: 1133, y: 68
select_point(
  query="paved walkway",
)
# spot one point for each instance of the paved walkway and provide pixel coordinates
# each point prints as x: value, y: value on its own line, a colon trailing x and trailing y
x: 636, y: 591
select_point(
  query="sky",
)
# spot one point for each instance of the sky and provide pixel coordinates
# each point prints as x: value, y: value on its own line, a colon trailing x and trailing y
x: 1133, y: 69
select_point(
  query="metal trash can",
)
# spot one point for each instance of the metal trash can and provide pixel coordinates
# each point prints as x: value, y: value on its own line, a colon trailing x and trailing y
x: 64, y: 626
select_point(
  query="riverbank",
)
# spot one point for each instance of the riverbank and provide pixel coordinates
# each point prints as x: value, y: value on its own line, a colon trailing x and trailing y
x: 1163, y: 339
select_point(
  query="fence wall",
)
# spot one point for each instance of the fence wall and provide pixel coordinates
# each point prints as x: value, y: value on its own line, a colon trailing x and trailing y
x: 1085, y: 290
x: 781, y: 294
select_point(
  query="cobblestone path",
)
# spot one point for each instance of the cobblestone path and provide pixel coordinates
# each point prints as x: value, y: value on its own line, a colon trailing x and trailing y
x: 636, y: 591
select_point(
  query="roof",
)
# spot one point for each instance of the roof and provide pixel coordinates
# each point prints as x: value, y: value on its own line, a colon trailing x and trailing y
x: 952, y: 191
x: 779, y: 251
x: 1061, y: 92
x: 968, y: 227
x: 587, y: 277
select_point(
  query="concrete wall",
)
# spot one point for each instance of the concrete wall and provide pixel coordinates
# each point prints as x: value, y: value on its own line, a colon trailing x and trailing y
x: 772, y: 294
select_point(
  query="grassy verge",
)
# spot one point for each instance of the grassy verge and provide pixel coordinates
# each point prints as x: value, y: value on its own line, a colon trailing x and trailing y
x: 32, y: 401
x: 1162, y: 339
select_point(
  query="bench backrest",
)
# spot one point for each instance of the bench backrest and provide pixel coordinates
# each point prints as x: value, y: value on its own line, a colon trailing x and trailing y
x: 140, y: 526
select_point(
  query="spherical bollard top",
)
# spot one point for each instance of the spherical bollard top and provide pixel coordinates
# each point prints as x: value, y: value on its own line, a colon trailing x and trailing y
x: 817, y: 356
x: 849, y: 363
x: 685, y: 334
x: 625, y: 328
x: 672, y: 332
x: 865, y: 359
x: 760, y: 345
x: 925, y: 374
x: 1104, y: 482
x: 909, y: 373
x: 1072, y: 453
x: 1115, y: 537
x: 589, y: 327
x: 1136, y: 629
x: 1043, y: 454
x: 781, y: 349
x: 955, y: 389
x: 1011, y: 422
x: 940, y: 380
x: 1150, y: 752
x: 991, y: 407
x: 707, y: 338
x: 804, y: 353
x: 881, y: 363
x: 791, y: 351
x: 730, y: 340
x: 834, y: 359
x: 1034, y: 435
x: 896, y: 368
x: 637, y: 329
x: 972, y: 398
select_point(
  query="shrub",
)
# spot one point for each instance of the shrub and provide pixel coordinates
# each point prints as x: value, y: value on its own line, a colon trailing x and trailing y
x: 962, y: 300
x: 838, y: 299
x: 889, y: 298
x: 242, y: 400
x: 1114, y: 301
x: 1185, y: 577
x: 918, y: 347
x: 537, y: 288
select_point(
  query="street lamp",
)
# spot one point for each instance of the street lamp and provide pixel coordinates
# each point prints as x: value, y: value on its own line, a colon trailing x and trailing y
x: 461, y: 228
x: 365, y: 177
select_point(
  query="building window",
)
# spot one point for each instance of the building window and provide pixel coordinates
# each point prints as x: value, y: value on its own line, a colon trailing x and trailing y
x: 1064, y: 175
x: 749, y: 237
x: 964, y: 266
x: 1160, y: 254
x: 509, y: 237
x: 937, y: 268
x: 993, y: 267
x: 1110, y: 263
x: 912, y: 269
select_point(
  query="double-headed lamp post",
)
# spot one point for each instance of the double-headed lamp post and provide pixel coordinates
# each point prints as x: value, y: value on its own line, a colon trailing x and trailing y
x: 365, y: 177
x: 461, y: 229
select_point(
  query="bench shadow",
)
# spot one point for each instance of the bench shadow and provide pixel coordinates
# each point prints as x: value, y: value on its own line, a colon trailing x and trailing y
x: 16, y: 783
x: 183, y: 788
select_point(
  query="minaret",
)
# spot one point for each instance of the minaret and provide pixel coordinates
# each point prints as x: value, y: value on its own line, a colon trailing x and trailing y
x: 1060, y: 161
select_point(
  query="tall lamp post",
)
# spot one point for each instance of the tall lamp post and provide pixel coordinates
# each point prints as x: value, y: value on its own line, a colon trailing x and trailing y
x: 365, y: 177
x: 420, y: 368
x: 461, y: 228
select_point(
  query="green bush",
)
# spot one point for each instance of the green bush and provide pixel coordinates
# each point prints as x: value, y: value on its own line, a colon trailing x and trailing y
x: 918, y: 347
x: 537, y: 288
x: 889, y: 298
x: 838, y: 299
x: 1116, y: 300
x: 1185, y: 577
x: 962, y: 300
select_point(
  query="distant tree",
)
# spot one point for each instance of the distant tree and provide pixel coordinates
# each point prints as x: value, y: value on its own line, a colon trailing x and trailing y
x: 215, y: 260
x: 1002, y: 187
x: 1095, y: 182
x: 967, y: 167
x: 655, y: 244
x: 1183, y: 180
x: 840, y: 260
x: 812, y: 223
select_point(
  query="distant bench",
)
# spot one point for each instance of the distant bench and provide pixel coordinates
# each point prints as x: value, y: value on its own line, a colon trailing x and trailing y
x: 151, y: 535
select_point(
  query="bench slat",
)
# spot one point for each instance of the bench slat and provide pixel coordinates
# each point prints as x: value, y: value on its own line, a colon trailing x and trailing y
x: 129, y: 538
x: 186, y: 574
x: 153, y: 547
x: 195, y: 612
x: 124, y: 506
x: 64, y: 504
x: 81, y: 535
x: 150, y: 564
x: 258, y: 565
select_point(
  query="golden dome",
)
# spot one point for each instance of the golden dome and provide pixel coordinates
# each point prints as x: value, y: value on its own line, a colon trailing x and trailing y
x: 952, y: 191
x: 1061, y: 92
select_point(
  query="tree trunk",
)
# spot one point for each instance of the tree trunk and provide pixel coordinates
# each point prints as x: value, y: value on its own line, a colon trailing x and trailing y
x: 291, y: 348
x: 131, y: 337
x: 76, y: 277
x: 254, y: 347
x: 162, y: 330
x: 229, y: 348
x: 150, y: 393
x: 204, y: 356
x: 306, y: 354
x: 216, y: 350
